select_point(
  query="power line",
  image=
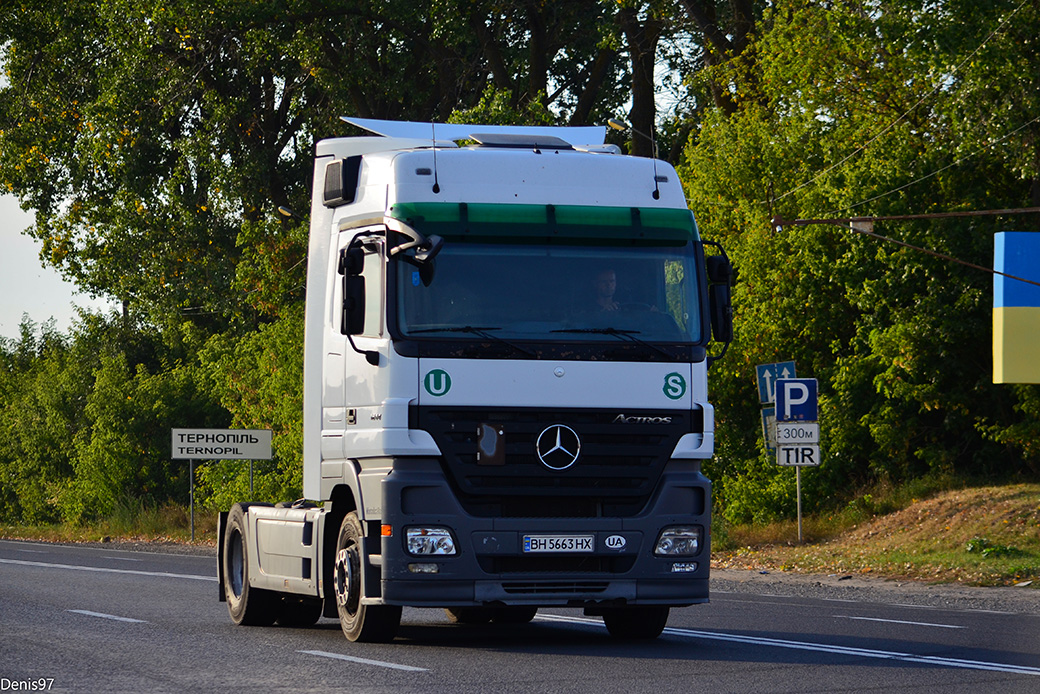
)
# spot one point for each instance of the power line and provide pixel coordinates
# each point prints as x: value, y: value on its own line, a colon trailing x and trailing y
x: 902, y: 117
x: 948, y: 166
x: 779, y: 223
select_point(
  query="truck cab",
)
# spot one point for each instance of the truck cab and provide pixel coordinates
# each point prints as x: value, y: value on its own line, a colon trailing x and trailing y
x: 505, y: 388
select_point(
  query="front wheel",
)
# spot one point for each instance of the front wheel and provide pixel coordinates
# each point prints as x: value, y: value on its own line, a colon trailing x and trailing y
x: 640, y: 623
x: 360, y: 622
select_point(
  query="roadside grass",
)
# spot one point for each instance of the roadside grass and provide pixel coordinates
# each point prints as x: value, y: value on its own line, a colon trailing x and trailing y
x: 132, y: 521
x: 976, y: 536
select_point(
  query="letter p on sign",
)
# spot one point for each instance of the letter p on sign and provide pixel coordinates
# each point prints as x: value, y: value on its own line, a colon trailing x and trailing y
x: 796, y: 400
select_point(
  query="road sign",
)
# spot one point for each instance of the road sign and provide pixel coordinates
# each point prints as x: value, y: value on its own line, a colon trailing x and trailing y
x: 769, y: 427
x: 796, y: 400
x: 222, y: 444
x: 792, y: 433
x: 767, y: 375
x: 807, y: 455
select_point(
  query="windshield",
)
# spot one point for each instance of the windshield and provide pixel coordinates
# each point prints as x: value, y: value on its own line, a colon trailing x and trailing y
x: 557, y: 292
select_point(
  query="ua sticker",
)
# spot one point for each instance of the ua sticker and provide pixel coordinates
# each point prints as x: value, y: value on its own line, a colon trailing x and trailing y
x: 438, y: 382
x: 674, y: 386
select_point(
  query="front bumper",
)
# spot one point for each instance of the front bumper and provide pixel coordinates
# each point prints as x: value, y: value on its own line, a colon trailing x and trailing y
x: 490, y: 566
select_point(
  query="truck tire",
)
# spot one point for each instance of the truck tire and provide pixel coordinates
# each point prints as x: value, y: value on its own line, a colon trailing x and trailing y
x: 247, y: 606
x: 640, y: 623
x: 360, y: 622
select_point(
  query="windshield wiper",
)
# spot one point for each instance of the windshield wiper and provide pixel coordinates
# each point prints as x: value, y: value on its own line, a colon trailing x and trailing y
x: 479, y: 331
x: 629, y: 335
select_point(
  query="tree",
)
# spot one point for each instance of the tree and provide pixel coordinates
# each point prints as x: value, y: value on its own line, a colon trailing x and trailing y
x: 857, y: 112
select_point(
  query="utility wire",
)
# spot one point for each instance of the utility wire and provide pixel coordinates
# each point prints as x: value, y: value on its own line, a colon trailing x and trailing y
x: 939, y: 171
x: 901, y: 118
x: 852, y: 221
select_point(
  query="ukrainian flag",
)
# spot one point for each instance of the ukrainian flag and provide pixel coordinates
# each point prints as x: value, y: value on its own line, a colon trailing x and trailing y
x: 1016, y: 308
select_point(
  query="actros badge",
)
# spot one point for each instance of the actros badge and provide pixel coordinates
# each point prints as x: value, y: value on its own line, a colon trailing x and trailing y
x: 558, y: 447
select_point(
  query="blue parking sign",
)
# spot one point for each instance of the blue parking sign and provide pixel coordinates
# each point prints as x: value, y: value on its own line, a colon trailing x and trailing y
x: 796, y: 400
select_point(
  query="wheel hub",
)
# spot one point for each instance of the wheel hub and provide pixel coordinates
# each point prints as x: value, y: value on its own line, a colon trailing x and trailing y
x: 348, y: 590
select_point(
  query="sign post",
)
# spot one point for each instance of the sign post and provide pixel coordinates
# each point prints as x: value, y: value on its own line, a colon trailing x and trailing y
x: 218, y: 444
x: 797, y: 430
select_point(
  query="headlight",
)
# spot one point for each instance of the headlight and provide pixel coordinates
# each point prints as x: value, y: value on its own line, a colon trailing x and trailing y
x: 429, y: 541
x: 679, y: 541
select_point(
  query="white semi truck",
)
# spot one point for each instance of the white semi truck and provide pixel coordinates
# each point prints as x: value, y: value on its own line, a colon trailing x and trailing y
x: 505, y: 388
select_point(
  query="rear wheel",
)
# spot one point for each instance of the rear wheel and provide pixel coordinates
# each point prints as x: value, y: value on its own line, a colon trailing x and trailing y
x: 247, y: 605
x: 360, y: 622
x: 644, y: 622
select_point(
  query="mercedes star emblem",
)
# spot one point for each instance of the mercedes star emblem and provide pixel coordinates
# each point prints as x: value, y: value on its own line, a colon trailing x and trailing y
x: 558, y: 447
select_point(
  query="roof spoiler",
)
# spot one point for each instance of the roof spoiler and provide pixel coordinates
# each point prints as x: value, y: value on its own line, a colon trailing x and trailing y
x: 575, y: 136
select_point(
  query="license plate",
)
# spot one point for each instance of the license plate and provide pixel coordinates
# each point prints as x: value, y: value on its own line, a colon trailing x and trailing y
x: 559, y: 543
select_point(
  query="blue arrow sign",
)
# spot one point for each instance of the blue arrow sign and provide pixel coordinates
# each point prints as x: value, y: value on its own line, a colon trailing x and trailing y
x: 796, y: 400
x: 768, y: 374
x: 769, y: 428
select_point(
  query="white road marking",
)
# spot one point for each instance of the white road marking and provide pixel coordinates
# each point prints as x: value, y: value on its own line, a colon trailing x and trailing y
x: 122, y: 559
x: 900, y: 621
x: 98, y: 569
x: 113, y: 617
x: 821, y: 648
x: 364, y: 661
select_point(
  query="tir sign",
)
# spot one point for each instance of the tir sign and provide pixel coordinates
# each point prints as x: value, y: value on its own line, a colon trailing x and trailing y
x: 796, y: 400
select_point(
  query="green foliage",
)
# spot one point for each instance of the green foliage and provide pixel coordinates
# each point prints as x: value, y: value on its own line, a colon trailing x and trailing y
x: 841, y: 113
x: 980, y: 545
x: 259, y: 380
x: 86, y: 420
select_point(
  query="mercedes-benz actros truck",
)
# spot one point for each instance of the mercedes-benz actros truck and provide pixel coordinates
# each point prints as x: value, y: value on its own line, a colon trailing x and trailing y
x: 507, y: 339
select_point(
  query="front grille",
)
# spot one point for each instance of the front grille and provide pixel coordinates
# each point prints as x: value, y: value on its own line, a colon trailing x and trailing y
x: 618, y: 469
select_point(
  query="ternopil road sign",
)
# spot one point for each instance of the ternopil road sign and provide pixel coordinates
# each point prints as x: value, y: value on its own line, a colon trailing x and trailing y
x: 222, y: 444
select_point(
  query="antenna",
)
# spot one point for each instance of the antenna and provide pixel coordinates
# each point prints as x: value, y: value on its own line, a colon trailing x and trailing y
x: 433, y: 136
x: 622, y: 126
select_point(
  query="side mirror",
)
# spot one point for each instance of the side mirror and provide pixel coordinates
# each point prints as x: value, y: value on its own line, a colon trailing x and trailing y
x: 720, y: 277
x: 351, y: 265
x: 720, y: 270
x: 721, y: 307
x: 425, y: 252
x: 353, y: 305
x: 352, y: 260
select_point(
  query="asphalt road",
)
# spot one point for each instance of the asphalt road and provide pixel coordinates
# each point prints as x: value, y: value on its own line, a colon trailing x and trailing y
x: 98, y: 619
